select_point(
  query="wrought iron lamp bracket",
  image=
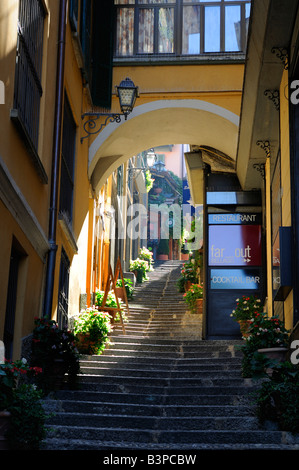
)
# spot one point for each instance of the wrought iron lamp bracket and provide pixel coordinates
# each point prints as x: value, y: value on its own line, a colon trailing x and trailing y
x: 282, y: 54
x: 91, y: 127
x: 260, y: 167
x: 265, y: 145
x: 273, y: 96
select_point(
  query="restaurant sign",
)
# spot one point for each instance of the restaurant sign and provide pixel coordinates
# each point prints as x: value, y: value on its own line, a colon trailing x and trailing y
x: 235, y: 245
x: 235, y: 278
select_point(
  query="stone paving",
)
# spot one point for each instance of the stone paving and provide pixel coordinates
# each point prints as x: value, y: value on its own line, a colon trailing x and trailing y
x: 160, y: 386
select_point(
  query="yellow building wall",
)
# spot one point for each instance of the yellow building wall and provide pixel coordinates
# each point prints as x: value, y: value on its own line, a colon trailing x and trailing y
x: 285, y: 178
x: 80, y: 255
x: 12, y: 149
x: 30, y: 279
x: 33, y: 191
x: 220, y: 84
x: 269, y: 305
x: 26, y: 183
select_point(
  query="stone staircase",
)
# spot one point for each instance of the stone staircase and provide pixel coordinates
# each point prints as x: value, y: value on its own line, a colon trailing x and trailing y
x: 161, y: 386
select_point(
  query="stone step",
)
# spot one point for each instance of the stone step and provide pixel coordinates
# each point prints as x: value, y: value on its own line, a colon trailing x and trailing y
x: 154, y: 452
x: 126, y: 436
x: 156, y: 391
x: 209, y: 345
x: 159, y: 423
x: 164, y: 347
x: 166, y: 354
x: 109, y: 362
x: 160, y: 386
x: 120, y: 409
x: 156, y: 363
x: 161, y: 374
x: 219, y: 396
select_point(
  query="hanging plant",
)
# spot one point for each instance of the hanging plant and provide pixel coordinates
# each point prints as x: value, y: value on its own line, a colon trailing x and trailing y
x: 149, y: 181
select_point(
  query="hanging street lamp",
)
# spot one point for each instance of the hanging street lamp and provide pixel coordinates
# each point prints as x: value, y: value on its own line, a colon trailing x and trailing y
x: 127, y: 94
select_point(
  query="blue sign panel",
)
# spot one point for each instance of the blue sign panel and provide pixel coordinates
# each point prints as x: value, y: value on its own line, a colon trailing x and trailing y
x: 232, y: 219
x: 235, y: 279
x: 187, y: 195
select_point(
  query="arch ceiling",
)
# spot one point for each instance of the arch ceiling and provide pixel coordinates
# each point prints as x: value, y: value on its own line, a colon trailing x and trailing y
x: 193, y: 122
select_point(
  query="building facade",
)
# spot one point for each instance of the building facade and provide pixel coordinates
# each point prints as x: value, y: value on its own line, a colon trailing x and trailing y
x: 267, y: 148
x: 200, y: 84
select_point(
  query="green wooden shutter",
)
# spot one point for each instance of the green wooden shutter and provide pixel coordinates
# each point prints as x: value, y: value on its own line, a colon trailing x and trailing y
x: 85, y: 37
x: 73, y: 12
x: 102, y: 52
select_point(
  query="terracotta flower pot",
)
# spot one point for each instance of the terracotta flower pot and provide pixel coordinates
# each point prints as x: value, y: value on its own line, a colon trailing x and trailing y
x: 85, y: 344
x: 120, y: 293
x: 187, y: 285
x: 244, y: 327
x: 199, y: 306
x: 276, y: 354
x: 162, y: 257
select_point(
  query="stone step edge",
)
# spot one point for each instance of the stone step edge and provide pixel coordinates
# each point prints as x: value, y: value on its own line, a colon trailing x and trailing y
x: 285, y: 436
x: 58, y: 404
x: 65, y: 444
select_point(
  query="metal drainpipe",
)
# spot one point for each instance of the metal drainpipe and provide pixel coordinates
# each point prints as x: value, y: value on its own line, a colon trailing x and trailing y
x: 48, y: 299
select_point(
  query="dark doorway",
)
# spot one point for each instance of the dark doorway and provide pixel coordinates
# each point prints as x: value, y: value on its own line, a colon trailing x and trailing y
x: 11, y: 301
x: 234, y: 252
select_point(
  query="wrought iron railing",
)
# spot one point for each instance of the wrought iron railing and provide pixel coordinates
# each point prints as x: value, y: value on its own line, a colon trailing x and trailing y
x: 28, y: 88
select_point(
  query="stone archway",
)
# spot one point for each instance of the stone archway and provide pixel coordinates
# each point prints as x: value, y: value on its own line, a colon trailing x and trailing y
x: 162, y: 122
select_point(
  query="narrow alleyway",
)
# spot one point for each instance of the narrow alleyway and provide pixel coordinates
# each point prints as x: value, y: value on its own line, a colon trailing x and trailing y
x: 160, y: 386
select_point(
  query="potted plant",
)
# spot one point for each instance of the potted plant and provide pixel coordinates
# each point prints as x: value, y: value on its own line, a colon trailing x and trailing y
x: 194, y: 298
x: 54, y: 350
x: 149, y: 181
x: 278, y: 399
x: 110, y: 301
x: 22, y: 416
x: 139, y: 267
x: 92, y: 328
x: 265, y: 335
x: 189, y: 274
x: 157, y: 190
x: 246, y: 309
x: 128, y: 284
x: 163, y: 249
x: 147, y: 255
x: 180, y: 283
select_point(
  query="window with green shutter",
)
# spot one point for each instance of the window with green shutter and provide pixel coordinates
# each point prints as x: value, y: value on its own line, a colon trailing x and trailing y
x: 93, y: 23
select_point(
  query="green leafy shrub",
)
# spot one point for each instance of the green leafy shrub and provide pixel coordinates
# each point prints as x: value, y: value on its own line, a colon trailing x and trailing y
x: 192, y: 295
x: 20, y: 397
x: 189, y: 271
x: 141, y: 267
x: 278, y: 397
x: 247, y: 308
x: 50, y: 345
x: 264, y: 332
x: 92, y: 328
x: 147, y: 255
x: 28, y: 417
x: 128, y: 286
